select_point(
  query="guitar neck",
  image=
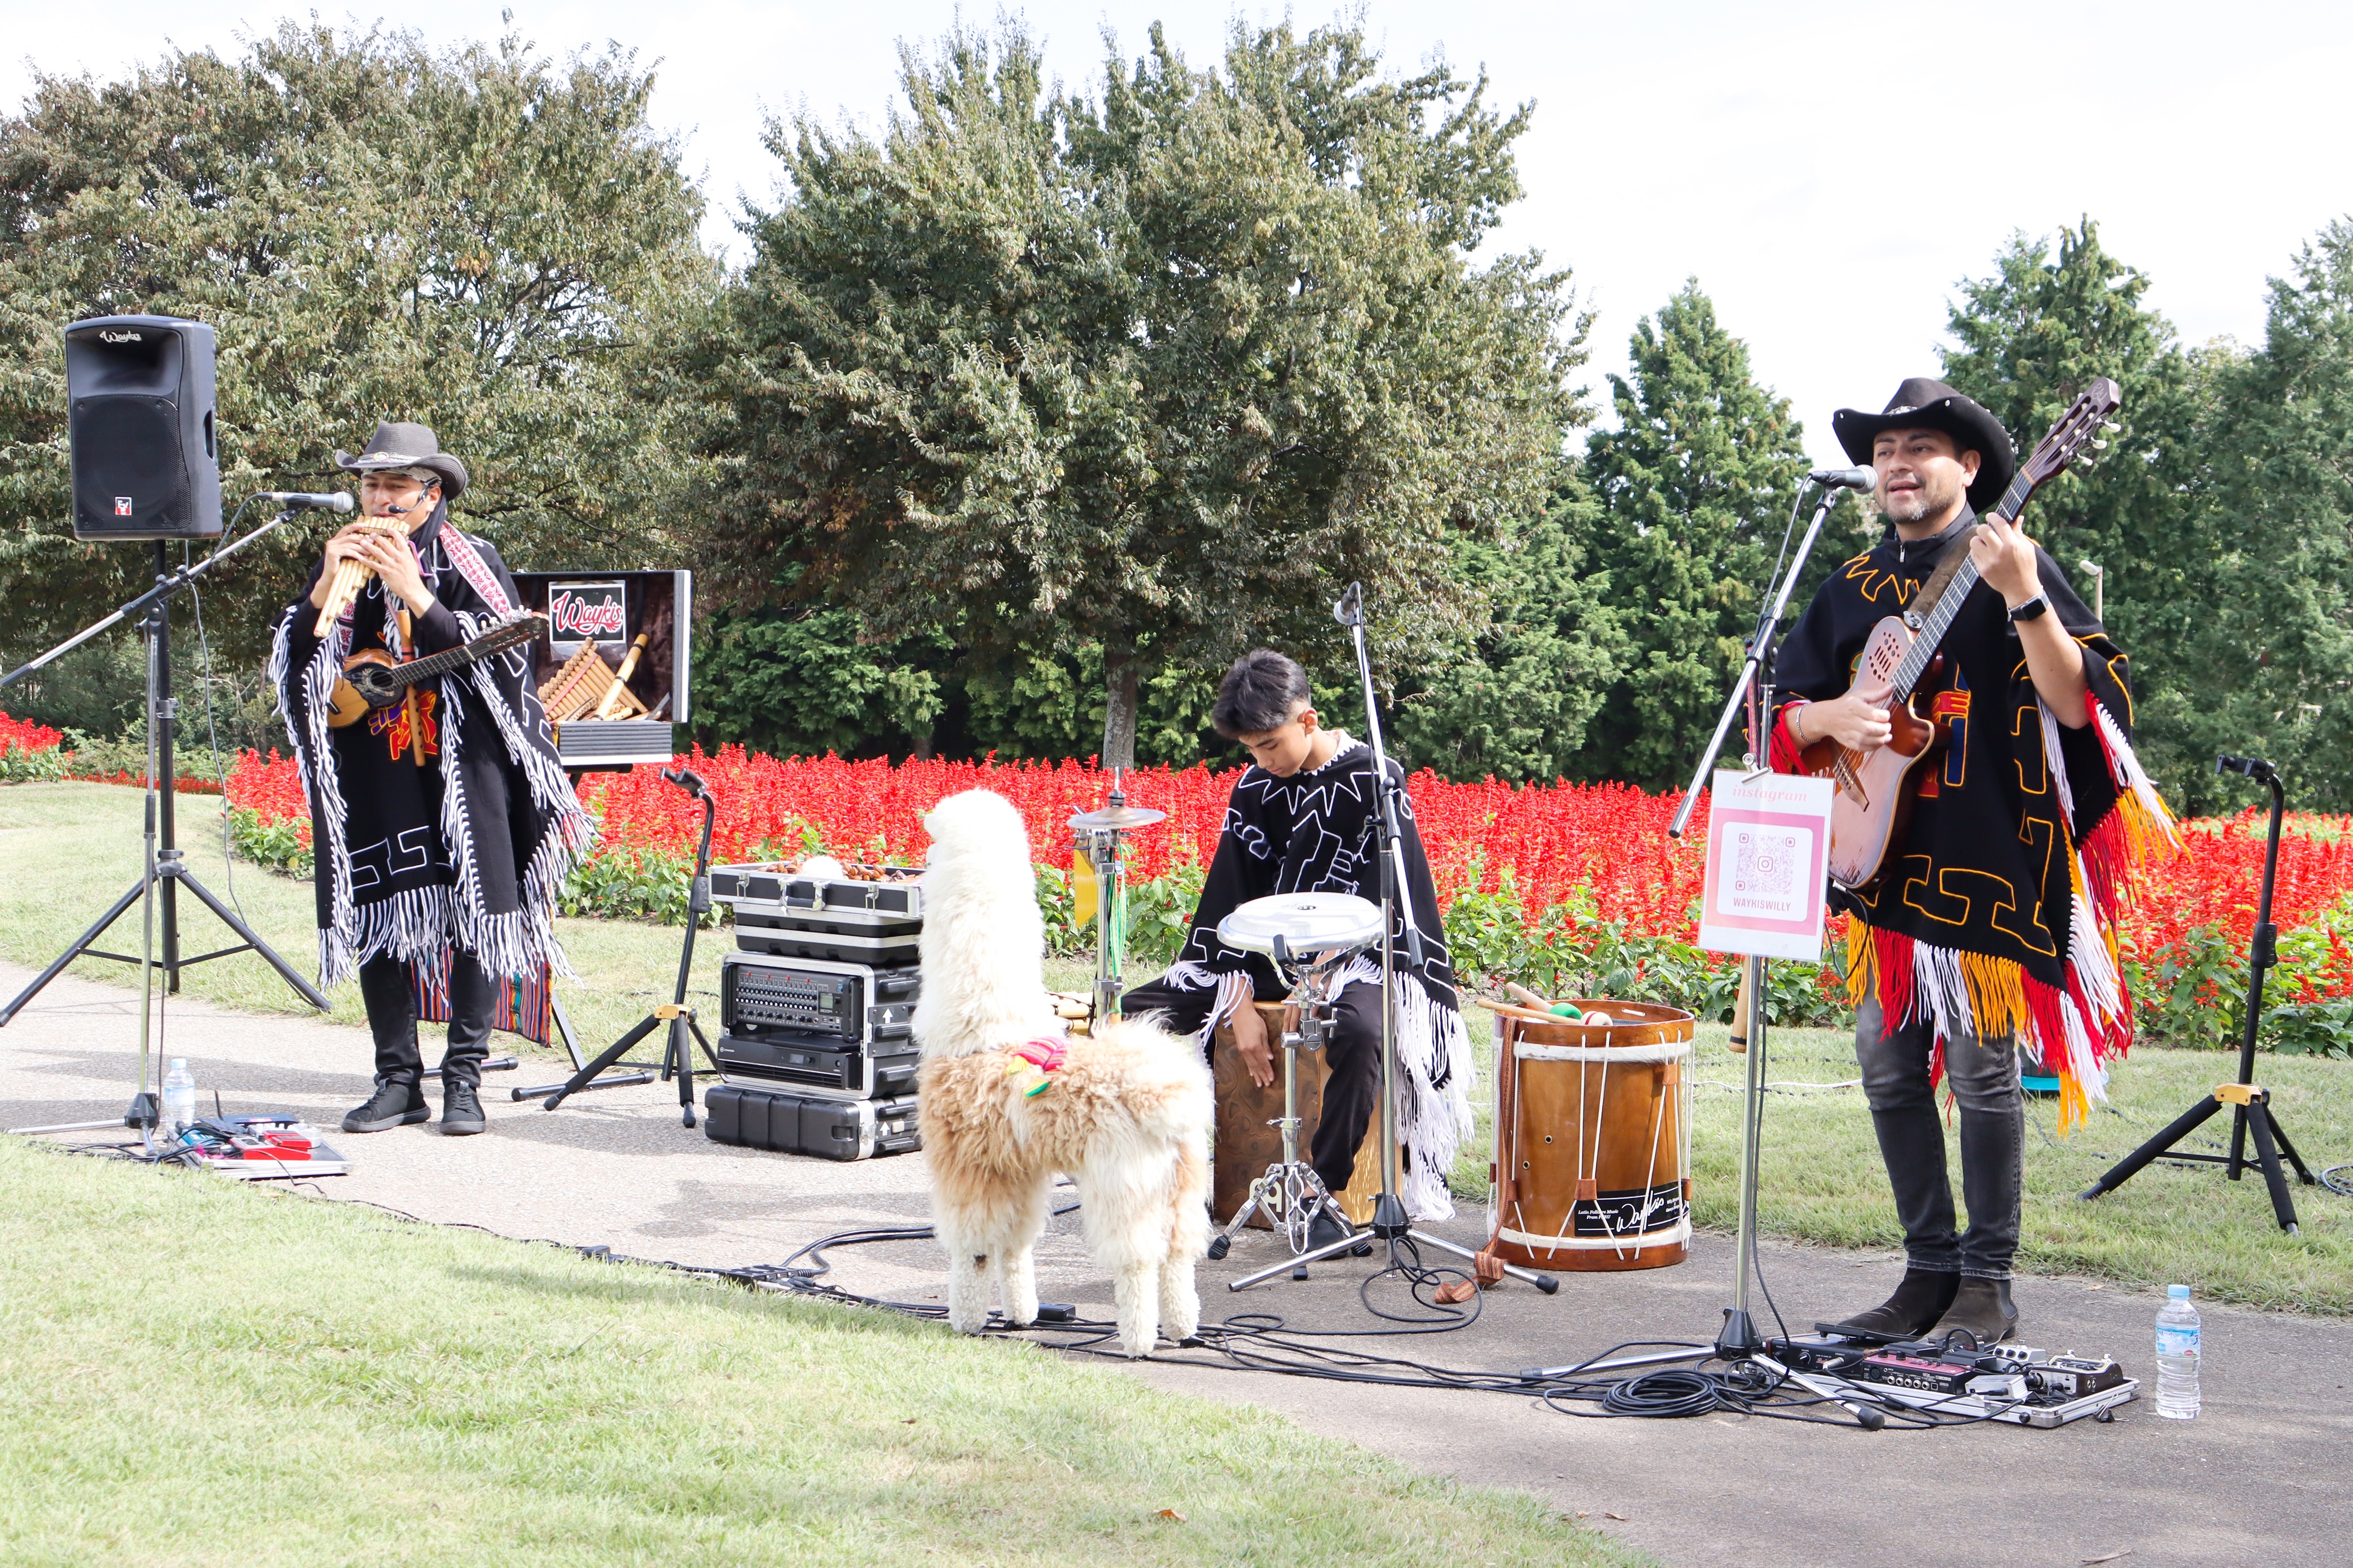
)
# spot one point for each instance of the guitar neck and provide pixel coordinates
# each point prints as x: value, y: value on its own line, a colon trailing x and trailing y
x: 1940, y: 619
x: 440, y: 664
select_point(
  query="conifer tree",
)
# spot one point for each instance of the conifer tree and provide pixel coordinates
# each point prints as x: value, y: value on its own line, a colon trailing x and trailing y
x: 1693, y: 487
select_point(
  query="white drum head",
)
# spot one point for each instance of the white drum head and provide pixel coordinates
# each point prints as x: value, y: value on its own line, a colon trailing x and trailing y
x: 1307, y: 923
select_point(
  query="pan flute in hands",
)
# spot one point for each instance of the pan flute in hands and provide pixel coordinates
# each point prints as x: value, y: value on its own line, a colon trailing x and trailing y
x: 352, y: 575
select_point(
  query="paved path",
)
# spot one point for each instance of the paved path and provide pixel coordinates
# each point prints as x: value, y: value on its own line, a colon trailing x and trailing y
x: 2257, y: 1480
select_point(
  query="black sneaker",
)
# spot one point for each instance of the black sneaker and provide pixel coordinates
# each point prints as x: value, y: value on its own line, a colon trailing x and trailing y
x: 461, y: 1110
x: 393, y: 1105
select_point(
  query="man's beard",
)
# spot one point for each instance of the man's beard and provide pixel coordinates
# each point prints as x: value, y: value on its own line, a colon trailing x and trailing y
x: 1913, y: 506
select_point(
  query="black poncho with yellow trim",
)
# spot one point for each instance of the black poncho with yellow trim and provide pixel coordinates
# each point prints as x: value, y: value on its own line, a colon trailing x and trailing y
x: 1996, y: 913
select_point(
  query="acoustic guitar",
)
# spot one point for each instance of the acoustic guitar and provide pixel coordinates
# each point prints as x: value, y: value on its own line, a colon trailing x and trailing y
x: 373, y: 679
x: 1875, y: 788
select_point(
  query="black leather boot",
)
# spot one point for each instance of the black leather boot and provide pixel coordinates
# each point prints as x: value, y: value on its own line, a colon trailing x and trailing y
x: 462, y: 1108
x: 392, y: 1105
x: 1918, y: 1301
x: 1981, y: 1316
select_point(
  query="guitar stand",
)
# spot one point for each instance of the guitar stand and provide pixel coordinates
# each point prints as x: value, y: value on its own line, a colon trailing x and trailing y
x: 678, y: 1057
x: 2252, y: 1103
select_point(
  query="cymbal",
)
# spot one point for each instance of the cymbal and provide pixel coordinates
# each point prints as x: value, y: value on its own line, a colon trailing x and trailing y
x: 1117, y: 818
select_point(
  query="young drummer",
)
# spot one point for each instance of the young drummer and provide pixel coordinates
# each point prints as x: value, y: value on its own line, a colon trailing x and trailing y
x: 1304, y: 819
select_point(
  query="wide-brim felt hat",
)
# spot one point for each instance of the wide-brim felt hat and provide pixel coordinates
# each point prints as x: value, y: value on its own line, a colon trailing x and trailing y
x: 398, y: 445
x: 1922, y: 403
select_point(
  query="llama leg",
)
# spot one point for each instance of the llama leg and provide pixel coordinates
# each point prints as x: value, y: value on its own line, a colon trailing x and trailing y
x: 1180, y: 1300
x: 971, y: 1258
x: 1135, y: 1292
x: 1016, y: 1261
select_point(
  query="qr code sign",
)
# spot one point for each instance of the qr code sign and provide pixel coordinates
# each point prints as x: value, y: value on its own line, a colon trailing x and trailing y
x: 1766, y: 865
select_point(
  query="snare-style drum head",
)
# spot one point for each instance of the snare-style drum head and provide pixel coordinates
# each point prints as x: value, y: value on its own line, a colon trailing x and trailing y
x: 1307, y: 923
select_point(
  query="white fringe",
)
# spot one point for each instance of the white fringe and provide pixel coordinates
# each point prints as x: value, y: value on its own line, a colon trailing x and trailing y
x: 1433, y: 1109
x: 2124, y: 763
x: 2057, y: 762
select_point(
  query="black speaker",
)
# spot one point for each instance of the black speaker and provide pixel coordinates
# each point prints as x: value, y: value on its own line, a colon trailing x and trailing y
x: 139, y: 416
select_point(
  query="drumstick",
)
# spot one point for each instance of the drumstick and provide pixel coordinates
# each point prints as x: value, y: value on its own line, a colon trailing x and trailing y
x: 1740, y: 1009
x: 1520, y: 993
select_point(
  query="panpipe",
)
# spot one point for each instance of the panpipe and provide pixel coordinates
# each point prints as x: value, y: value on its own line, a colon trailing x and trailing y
x: 581, y: 688
x: 352, y: 575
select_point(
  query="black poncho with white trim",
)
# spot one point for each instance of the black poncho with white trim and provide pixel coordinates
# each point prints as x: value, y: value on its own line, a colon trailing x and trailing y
x: 1317, y: 831
x: 468, y: 851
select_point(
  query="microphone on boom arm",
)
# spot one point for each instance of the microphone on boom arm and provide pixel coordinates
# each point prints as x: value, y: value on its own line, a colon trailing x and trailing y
x: 1844, y: 479
x: 297, y: 499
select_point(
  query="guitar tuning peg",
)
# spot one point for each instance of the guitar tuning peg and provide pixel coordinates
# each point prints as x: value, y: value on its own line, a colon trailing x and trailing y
x: 2098, y: 445
x: 2110, y: 428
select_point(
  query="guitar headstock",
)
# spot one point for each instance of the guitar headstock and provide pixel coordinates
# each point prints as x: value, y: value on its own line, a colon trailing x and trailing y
x: 2076, y: 437
x: 521, y: 626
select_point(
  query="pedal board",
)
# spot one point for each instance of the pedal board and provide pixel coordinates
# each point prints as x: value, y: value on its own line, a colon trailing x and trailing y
x: 2016, y: 1383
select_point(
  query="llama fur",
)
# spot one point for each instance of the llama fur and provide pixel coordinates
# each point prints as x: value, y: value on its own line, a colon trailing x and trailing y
x: 1127, y: 1116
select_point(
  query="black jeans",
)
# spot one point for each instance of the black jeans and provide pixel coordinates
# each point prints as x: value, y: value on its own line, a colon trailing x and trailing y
x: 390, y: 997
x: 1984, y: 1077
x: 1352, y: 1050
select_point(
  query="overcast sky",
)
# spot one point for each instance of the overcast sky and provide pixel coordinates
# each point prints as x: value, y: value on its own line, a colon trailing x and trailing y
x: 1826, y: 170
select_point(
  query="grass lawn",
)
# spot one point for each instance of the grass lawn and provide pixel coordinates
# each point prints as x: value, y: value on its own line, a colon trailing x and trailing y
x: 66, y: 850
x: 198, y: 1372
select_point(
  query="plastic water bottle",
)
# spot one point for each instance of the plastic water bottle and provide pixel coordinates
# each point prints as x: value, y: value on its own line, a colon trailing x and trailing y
x: 179, y: 1100
x: 2177, y: 1355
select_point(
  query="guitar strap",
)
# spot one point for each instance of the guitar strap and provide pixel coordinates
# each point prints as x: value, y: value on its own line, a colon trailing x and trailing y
x: 1924, y: 603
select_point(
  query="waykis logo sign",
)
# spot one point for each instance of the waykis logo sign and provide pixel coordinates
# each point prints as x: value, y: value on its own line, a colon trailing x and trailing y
x: 580, y: 612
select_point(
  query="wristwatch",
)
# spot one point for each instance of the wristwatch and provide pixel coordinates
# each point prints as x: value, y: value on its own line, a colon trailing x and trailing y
x: 2031, y: 608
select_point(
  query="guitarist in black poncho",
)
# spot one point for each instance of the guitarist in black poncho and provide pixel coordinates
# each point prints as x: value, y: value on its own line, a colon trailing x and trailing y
x: 443, y: 826
x: 1302, y: 820
x: 1988, y: 929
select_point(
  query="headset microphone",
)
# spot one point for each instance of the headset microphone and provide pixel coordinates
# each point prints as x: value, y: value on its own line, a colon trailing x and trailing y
x: 339, y: 501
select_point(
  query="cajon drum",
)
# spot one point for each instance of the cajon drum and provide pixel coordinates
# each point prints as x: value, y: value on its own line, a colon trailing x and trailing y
x: 1246, y: 1145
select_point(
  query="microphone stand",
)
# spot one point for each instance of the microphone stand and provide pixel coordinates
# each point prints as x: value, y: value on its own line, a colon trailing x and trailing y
x: 162, y: 870
x: 1752, y: 690
x: 1390, y: 1224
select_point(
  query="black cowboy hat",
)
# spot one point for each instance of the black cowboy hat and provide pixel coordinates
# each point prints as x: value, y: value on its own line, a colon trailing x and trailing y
x: 398, y: 445
x: 1921, y: 404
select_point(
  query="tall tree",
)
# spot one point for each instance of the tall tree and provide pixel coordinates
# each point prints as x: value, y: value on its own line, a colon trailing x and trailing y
x: 2271, y: 652
x: 2045, y: 323
x: 1153, y: 372
x: 1515, y: 703
x: 478, y: 238
x: 1694, y: 486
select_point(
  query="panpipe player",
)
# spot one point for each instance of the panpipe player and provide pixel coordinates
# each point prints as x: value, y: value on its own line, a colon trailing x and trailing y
x: 1991, y: 927
x: 1304, y: 819
x: 442, y: 826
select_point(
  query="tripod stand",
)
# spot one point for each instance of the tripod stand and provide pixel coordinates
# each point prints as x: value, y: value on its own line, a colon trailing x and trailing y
x: 166, y: 872
x: 2250, y: 1104
x: 678, y: 1055
x: 162, y: 870
x: 1390, y: 1226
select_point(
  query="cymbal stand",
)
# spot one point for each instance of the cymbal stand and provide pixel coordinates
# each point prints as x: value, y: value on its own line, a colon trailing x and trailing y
x: 1390, y: 1226
x: 1291, y: 1194
x: 1102, y: 836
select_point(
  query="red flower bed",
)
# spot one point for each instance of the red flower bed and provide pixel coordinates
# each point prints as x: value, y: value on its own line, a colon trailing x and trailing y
x: 1550, y: 839
x: 22, y: 735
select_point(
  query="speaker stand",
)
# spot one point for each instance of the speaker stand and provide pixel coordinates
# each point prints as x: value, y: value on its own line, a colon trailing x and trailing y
x: 171, y: 871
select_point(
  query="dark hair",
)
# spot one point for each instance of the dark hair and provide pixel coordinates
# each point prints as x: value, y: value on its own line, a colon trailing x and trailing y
x: 1259, y: 694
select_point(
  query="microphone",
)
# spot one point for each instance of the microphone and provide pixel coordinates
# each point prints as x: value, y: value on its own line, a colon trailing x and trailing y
x: 1844, y: 479
x: 298, y: 499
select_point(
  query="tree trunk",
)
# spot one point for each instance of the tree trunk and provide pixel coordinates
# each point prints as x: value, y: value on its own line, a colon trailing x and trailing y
x: 1121, y: 678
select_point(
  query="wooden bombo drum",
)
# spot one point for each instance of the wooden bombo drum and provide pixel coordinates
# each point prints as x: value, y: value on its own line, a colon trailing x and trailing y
x: 1592, y: 1139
